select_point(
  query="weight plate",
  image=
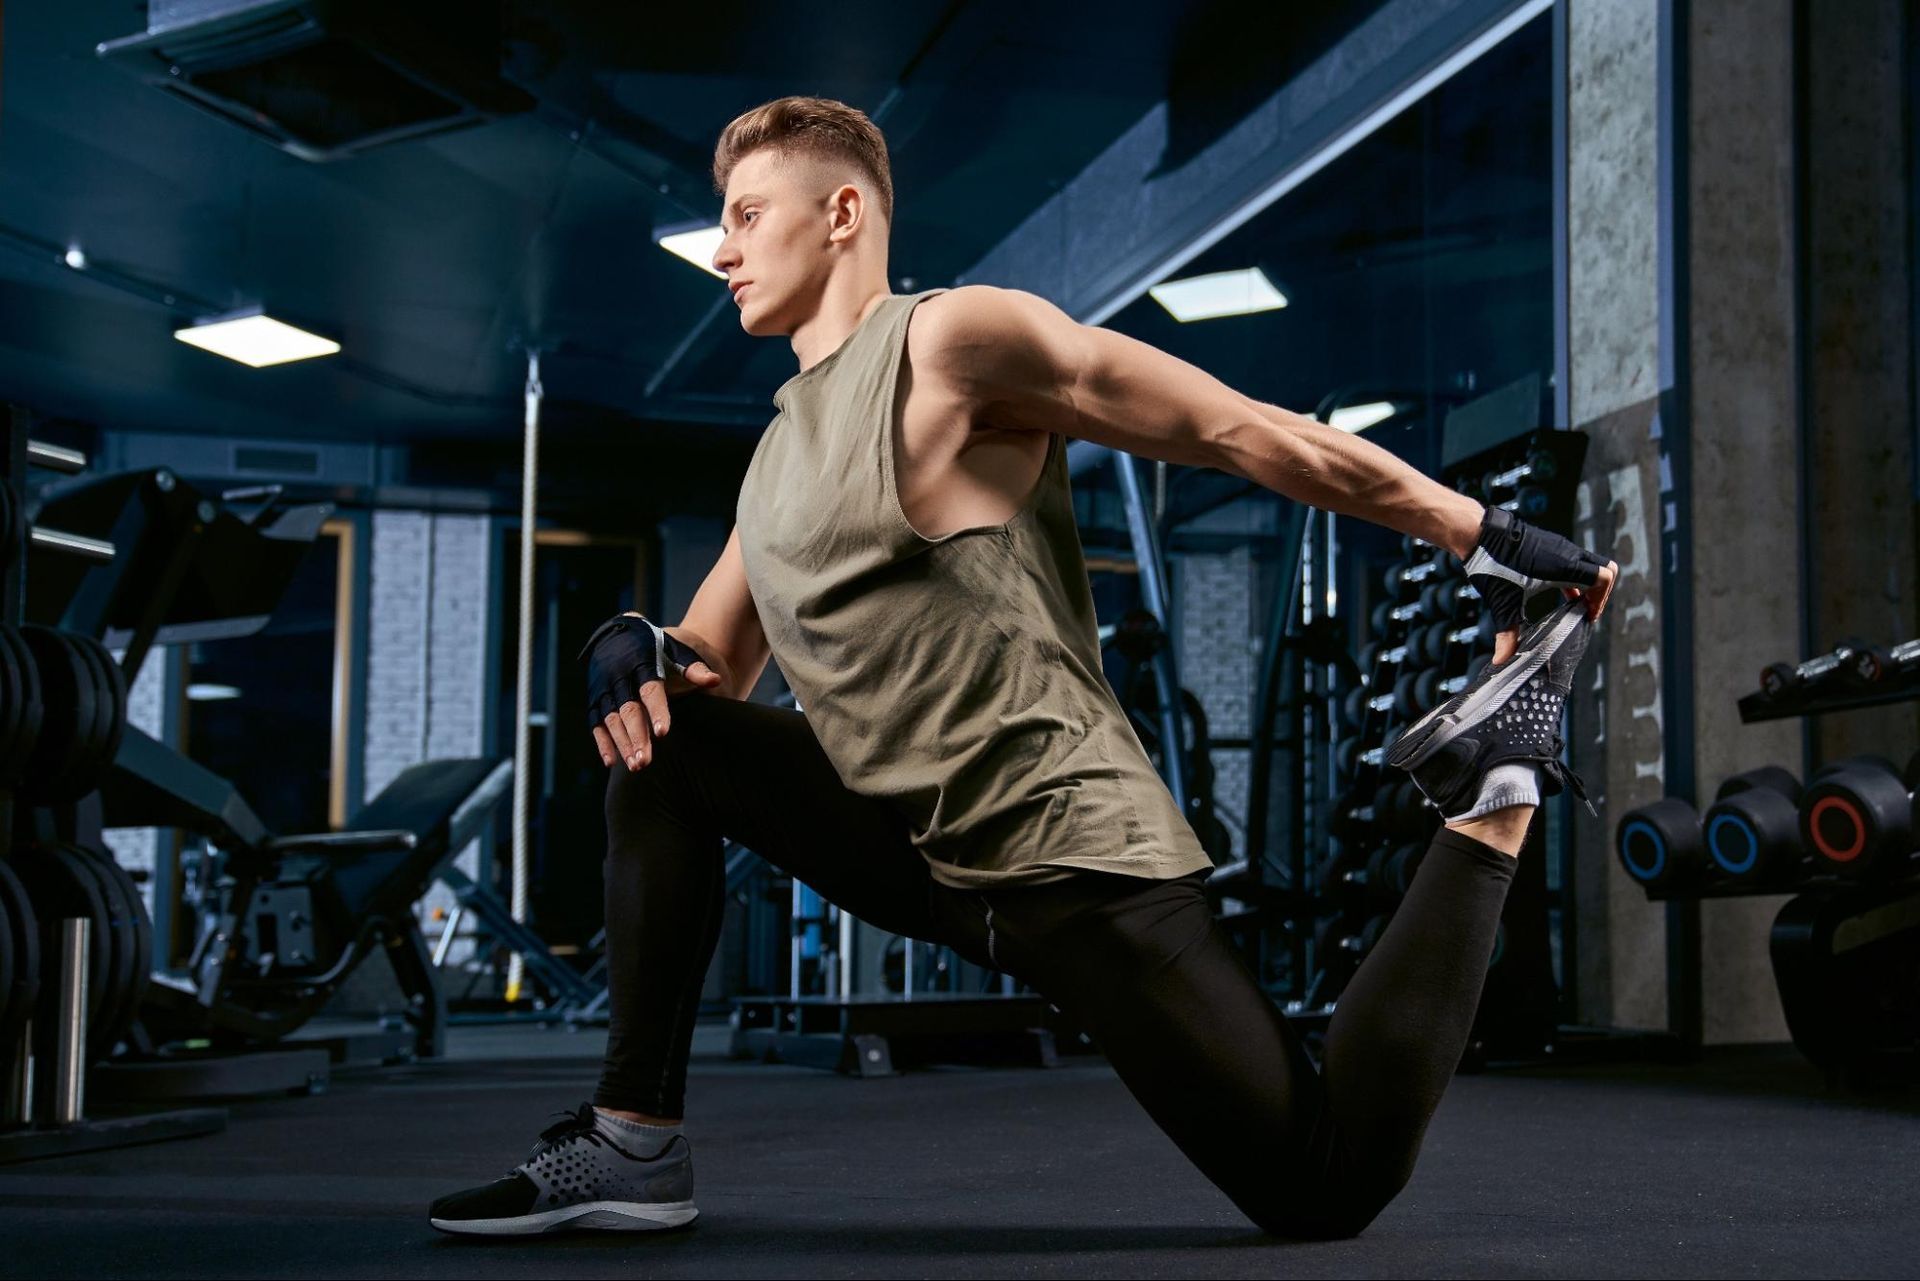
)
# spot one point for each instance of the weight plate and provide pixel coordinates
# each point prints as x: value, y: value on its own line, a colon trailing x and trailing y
x: 123, y: 899
x: 113, y: 714
x: 7, y: 963
x: 66, y: 687
x: 26, y: 954
x: 89, y: 768
x: 114, y: 1011
x: 60, y: 888
x: 12, y: 714
x: 14, y: 763
x: 142, y: 941
x: 112, y: 940
x: 12, y: 521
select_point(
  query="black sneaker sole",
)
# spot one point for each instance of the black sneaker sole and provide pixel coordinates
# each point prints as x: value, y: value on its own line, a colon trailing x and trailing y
x: 1421, y: 740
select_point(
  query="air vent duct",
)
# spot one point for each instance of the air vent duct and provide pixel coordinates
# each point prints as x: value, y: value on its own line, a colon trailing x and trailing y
x: 324, y: 79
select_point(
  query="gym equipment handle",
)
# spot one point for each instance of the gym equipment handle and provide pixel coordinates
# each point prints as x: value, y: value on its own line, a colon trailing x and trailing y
x: 55, y: 457
x: 73, y: 544
x: 397, y: 838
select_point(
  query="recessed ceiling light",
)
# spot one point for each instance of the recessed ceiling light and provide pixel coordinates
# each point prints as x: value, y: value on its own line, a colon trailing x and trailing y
x: 205, y: 693
x: 1222, y: 293
x: 256, y: 339
x: 75, y: 257
x: 1361, y: 417
x: 697, y: 244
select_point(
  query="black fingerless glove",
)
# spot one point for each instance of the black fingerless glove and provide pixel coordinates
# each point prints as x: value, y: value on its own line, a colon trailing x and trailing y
x: 1512, y: 560
x: 624, y: 655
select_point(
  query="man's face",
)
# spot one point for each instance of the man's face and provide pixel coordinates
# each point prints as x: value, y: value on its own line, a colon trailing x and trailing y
x: 777, y: 225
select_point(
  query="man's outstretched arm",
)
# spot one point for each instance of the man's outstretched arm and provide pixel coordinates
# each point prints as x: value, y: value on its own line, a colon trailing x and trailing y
x: 1019, y: 361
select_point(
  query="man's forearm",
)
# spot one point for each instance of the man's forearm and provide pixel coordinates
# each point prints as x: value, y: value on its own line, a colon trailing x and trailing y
x: 1340, y: 472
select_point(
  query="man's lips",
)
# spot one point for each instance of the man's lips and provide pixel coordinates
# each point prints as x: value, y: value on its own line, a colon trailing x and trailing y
x: 739, y: 289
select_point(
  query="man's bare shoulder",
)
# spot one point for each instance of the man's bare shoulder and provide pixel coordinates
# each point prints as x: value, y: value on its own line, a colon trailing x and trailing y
x: 982, y: 335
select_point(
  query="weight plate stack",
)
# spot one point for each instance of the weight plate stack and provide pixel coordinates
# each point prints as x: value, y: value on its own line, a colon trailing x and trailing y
x: 69, y: 695
x: 13, y: 523
x: 29, y: 711
x: 112, y: 942
x: 12, y: 710
x: 142, y: 942
x: 116, y: 1007
x: 109, y: 712
x: 7, y: 963
x: 24, y: 987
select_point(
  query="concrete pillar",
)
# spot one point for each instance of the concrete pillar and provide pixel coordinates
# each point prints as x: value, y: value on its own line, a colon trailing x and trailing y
x: 1744, y: 429
x: 1613, y: 387
x: 1859, y: 426
x: 1684, y: 337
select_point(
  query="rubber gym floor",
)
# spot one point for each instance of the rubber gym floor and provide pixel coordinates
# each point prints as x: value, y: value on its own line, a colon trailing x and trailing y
x: 1743, y: 1164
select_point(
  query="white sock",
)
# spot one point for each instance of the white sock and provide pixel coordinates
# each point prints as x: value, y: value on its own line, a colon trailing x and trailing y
x: 641, y: 1140
x: 1504, y: 785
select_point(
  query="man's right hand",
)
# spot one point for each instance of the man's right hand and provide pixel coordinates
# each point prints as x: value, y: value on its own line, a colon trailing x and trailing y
x: 632, y: 665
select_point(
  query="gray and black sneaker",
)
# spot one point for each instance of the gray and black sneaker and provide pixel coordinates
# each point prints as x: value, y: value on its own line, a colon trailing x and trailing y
x: 578, y: 1176
x: 1509, y: 714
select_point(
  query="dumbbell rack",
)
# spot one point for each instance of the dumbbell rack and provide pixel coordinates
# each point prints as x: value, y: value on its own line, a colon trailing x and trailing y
x: 1845, y: 692
x: 1427, y: 638
x: 43, y: 1068
x: 1846, y: 947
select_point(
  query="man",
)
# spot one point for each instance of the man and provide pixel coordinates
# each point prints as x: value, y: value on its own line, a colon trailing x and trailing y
x: 905, y: 546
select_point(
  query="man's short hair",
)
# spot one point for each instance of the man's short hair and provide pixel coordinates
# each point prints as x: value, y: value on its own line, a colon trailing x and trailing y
x: 817, y: 127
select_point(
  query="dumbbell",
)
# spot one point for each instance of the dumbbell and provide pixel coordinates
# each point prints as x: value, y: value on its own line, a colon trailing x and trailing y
x: 1399, y: 575
x: 1387, y: 614
x: 1417, y: 693
x: 1401, y: 810
x: 1660, y: 844
x: 1857, y: 817
x: 1874, y: 663
x: 1393, y: 872
x: 1532, y: 502
x: 1387, y: 805
x: 1334, y: 939
x: 1432, y: 643
x: 1346, y: 754
x: 1351, y: 817
x: 1752, y: 830
x: 1407, y: 700
x: 1778, y: 679
x: 1541, y: 467
x: 1445, y: 689
x: 1442, y: 600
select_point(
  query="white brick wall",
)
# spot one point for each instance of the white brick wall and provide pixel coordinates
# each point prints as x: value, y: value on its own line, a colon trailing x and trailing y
x: 138, y: 848
x: 427, y: 682
x: 1215, y: 649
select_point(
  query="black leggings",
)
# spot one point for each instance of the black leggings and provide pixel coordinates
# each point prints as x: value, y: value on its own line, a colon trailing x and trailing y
x: 1141, y: 964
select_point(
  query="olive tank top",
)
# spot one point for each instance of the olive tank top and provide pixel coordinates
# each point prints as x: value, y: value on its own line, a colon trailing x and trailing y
x: 956, y: 678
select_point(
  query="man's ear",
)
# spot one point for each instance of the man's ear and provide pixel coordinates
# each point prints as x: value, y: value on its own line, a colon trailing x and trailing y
x: 846, y: 210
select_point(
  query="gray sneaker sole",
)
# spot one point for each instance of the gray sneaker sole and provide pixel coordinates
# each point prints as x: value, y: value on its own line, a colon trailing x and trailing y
x: 606, y: 1216
x: 1426, y: 736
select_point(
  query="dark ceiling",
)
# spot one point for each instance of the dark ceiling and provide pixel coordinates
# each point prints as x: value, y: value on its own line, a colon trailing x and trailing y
x: 432, y: 260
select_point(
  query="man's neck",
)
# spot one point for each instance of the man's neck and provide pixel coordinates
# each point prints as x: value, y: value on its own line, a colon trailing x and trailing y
x: 840, y: 313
